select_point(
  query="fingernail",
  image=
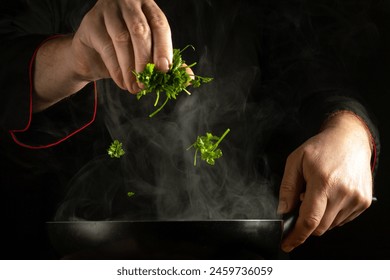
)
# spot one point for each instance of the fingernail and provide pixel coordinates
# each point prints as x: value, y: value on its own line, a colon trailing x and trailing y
x: 287, y: 248
x: 162, y: 64
x: 282, y: 207
x: 135, y: 88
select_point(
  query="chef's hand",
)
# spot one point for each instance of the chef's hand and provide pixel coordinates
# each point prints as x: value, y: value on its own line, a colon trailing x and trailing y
x: 117, y: 37
x: 114, y: 38
x: 330, y: 175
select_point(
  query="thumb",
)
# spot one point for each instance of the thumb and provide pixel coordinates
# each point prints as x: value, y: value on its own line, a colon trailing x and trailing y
x: 292, y: 184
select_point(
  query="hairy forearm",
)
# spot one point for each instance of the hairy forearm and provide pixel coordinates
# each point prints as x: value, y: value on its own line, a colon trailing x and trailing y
x: 55, y: 74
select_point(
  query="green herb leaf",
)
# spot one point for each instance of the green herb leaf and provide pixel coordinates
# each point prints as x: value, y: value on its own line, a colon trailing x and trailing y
x: 130, y: 194
x: 115, y: 150
x: 207, y: 145
x: 172, y: 83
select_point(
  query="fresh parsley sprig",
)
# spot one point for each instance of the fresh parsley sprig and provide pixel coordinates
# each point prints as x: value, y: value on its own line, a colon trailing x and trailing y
x: 207, y: 145
x: 115, y: 150
x: 173, y: 82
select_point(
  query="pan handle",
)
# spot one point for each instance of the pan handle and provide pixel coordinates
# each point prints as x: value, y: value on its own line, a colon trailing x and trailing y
x: 289, y: 221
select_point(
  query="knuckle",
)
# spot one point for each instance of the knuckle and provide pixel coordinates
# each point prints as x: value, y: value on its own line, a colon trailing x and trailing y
x: 287, y: 186
x: 107, y: 48
x: 343, y: 190
x: 122, y: 37
x: 158, y: 21
x: 310, y: 152
x: 362, y: 201
x: 366, y: 203
x: 140, y: 29
x: 310, y: 222
x: 116, y: 75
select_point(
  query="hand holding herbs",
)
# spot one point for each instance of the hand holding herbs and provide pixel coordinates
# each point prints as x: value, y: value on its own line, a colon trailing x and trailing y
x: 208, y: 147
x: 173, y: 82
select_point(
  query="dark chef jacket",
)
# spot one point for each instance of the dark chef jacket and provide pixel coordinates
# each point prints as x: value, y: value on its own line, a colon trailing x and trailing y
x: 307, y: 64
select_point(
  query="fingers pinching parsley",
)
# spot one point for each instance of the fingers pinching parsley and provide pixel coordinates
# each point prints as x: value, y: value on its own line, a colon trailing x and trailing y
x: 172, y: 83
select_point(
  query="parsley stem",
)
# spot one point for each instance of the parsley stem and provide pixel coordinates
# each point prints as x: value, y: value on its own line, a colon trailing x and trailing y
x: 186, y: 47
x: 191, y: 146
x: 157, y: 98
x: 191, y: 65
x: 221, y: 138
x: 159, y: 109
x: 196, y: 155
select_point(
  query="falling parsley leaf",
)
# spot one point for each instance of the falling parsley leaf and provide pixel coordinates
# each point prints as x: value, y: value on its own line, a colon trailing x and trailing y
x: 130, y: 194
x: 115, y: 150
x: 208, y: 147
x: 173, y: 82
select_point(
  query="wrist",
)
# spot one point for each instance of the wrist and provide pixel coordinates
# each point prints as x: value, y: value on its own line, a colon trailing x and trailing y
x: 352, y: 123
x: 55, y: 76
x: 78, y: 63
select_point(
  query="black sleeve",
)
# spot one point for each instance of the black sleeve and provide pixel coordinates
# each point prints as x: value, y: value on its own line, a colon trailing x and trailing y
x: 16, y: 50
x: 24, y: 26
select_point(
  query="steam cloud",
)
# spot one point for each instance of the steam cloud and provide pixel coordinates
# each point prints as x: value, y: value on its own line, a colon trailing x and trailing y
x: 157, y: 166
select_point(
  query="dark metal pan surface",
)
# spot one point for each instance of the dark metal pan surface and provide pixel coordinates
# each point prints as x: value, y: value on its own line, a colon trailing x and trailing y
x: 205, y: 239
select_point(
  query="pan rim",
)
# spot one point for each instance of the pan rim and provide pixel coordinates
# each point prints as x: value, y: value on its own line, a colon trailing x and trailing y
x: 166, y: 221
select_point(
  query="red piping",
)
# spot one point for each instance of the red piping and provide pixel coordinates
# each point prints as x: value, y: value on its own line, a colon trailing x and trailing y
x: 12, y: 132
x: 374, y: 159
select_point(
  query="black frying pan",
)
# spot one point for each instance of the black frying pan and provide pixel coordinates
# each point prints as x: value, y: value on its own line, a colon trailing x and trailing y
x: 206, y: 239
